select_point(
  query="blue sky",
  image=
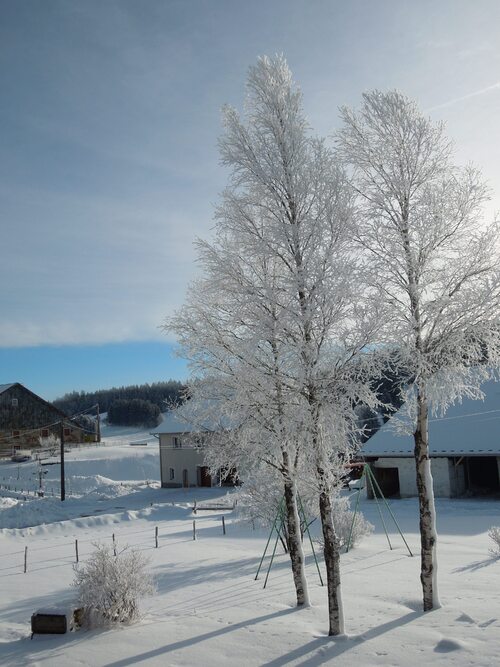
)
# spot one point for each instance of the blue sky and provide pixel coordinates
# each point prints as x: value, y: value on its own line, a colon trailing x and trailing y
x: 50, y: 371
x: 109, y: 118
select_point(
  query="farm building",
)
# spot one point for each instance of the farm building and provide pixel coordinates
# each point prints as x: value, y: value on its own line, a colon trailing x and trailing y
x: 464, y: 447
x: 26, y: 417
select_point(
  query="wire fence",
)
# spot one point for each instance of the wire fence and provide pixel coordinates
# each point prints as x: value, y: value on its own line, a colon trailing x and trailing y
x: 32, y: 557
x: 23, y: 489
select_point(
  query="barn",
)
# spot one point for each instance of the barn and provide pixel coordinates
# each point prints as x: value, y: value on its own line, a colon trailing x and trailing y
x: 464, y: 447
x: 25, y: 417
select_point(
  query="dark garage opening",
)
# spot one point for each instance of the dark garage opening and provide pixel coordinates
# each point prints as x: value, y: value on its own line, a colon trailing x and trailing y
x: 482, y: 474
x: 388, y: 480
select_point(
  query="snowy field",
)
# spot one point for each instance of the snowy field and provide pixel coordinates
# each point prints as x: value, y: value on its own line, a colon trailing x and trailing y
x: 208, y: 610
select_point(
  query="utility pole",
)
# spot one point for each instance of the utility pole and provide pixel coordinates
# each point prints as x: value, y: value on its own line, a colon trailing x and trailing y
x: 63, y: 483
x: 98, y: 433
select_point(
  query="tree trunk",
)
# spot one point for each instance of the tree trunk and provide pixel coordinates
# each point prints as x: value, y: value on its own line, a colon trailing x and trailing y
x: 428, y: 534
x: 295, y: 545
x: 331, y: 552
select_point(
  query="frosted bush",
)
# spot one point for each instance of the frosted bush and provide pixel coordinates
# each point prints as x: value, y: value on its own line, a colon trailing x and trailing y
x: 49, y: 445
x: 261, y: 496
x: 342, y: 520
x: 494, y: 534
x: 109, y: 587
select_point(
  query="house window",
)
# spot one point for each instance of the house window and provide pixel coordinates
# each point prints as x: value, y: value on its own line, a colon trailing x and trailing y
x: 177, y: 442
x: 45, y: 432
x: 172, y: 473
x: 67, y: 431
x: 15, y: 434
x: 14, y: 402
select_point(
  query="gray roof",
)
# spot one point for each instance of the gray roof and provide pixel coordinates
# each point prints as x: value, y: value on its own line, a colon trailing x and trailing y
x: 171, y: 423
x: 471, y: 428
x: 4, y: 387
x: 181, y: 421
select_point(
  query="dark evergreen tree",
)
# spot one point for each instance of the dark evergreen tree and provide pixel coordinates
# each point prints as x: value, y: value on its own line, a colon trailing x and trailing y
x: 133, y: 412
x: 162, y: 394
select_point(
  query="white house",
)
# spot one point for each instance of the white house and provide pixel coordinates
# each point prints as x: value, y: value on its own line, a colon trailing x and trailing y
x: 464, y: 447
x: 182, y: 461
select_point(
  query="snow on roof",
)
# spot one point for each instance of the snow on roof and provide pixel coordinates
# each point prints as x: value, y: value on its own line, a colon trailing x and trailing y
x: 181, y: 421
x: 4, y: 387
x: 471, y: 428
x: 172, y: 423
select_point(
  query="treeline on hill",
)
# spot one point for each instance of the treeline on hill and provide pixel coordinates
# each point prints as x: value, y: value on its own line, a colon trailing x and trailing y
x: 134, y: 412
x: 160, y: 394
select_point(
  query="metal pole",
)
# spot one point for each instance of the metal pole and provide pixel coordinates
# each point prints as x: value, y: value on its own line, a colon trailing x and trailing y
x: 63, y: 484
x: 363, y: 476
x: 310, y: 539
x: 98, y: 434
x: 273, y: 554
x: 371, y: 477
x: 278, y: 514
x: 392, y: 515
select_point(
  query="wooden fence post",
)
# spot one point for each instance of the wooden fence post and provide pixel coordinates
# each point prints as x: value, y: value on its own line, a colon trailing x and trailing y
x: 194, y: 529
x: 223, y: 526
x: 156, y: 537
x: 114, y: 545
x: 76, y: 550
x: 25, y: 559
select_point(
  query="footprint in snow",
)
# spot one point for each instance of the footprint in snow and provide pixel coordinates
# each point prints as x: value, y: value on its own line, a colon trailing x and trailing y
x: 465, y: 618
x: 448, y: 645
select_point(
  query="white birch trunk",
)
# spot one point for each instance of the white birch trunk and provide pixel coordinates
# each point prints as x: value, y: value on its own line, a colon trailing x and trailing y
x: 428, y: 533
x: 331, y: 551
x: 295, y: 545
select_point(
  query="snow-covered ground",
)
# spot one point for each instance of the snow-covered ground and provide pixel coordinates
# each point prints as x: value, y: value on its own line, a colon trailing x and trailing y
x: 208, y: 609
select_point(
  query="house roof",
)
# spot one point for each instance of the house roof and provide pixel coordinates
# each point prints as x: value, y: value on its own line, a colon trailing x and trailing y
x: 5, y: 387
x: 471, y: 428
x: 181, y: 421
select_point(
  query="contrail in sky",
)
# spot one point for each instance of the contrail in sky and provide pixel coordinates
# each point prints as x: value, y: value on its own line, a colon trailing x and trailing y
x: 476, y: 93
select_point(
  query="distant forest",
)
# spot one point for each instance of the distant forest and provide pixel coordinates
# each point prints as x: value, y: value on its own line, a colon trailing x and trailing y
x: 161, y: 394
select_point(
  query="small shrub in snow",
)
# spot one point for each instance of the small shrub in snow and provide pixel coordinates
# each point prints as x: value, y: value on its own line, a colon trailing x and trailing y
x: 342, y: 520
x: 49, y: 446
x: 109, y: 587
x: 494, y: 534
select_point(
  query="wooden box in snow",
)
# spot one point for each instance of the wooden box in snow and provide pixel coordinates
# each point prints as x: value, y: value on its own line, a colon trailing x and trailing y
x: 56, y: 621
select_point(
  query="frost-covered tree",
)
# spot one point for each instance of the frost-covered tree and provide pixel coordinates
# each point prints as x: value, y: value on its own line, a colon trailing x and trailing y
x: 240, y: 396
x: 434, y: 262
x: 276, y: 330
